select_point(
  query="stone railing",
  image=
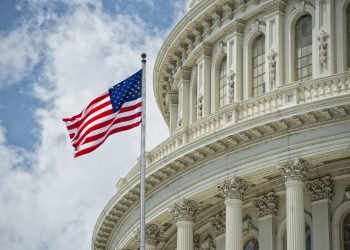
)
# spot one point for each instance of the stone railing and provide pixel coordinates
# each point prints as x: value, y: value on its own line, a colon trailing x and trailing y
x: 286, y: 96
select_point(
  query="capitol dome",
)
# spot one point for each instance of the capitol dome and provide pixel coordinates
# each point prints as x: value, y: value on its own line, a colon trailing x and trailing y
x: 256, y: 95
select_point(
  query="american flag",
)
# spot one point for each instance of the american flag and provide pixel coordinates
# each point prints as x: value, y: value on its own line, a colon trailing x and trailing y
x: 116, y: 110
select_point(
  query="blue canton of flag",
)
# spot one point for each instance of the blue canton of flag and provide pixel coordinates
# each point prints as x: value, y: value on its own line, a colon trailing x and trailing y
x: 116, y: 110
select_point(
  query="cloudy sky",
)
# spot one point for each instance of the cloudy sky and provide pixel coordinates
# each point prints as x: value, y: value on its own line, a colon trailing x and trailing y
x: 55, y: 56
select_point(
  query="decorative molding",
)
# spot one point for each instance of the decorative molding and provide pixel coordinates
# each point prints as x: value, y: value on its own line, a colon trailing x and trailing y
x: 236, y: 26
x: 266, y: 204
x: 321, y: 188
x: 234, y: 188
x: 185, y: 210
x: 228, y: 10
x: 323, y: 47
x: 205, y: 49
x: 275, y: 6
x: 219, y: 223
x: 196, y: 242
x: 300, y: 6
x: 295, y: 170
x: 216, y: 15
x: 207, y: 23
x: 200, y: 107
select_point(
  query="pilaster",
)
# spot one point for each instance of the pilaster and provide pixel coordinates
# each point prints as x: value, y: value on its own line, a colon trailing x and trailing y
x: 267, y: 207
x: 321, y: 190
x: 325, y: 33
x: 235, y: 57
x: 274, y: 43
x: 172, y: 100
x: 182, y: 78
x: 203, y: 53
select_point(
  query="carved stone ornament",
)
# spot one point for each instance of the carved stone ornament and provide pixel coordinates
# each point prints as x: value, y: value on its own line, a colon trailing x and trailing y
x: 347, y: 194
x: 300, y: 6
x: 219, y: 223
x: 216, y: 15
x: 231, y: 84
x: 234, y: 189
x: 321, y: 188
x: 274, y: 6
x: 272, y: 65
x: 208, y: 243
x: 323, y: 47
x: 242, y: 5
x: 200, y: 107
x: 266, y: 204
x: 196, y: 242
x: 153, y: 232
x: 248, y: 225
x: 221, y: 48
x: 228, y: 10
x: 295, y: 170
x: 185, y: 210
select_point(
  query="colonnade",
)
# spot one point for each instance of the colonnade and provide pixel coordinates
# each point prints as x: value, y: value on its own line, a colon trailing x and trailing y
x: 230, y: 222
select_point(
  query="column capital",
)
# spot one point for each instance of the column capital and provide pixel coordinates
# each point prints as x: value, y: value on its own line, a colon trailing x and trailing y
x: 205, y: 49
x: 266, y: 204
x: 321, y: 188
x: 153, y: 233
x: 219, y: 223
x: 295, y: 170
x: 234, y: 189
x: 185, y: 210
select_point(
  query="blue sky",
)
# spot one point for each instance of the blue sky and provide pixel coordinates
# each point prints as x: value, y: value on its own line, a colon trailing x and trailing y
x: 55, y: 57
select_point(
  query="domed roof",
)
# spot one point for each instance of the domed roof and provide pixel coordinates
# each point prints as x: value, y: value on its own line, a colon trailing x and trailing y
x: 194, y: 2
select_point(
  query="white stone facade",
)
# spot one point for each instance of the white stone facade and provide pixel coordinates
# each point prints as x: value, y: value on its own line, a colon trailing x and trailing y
x: 259, y: 150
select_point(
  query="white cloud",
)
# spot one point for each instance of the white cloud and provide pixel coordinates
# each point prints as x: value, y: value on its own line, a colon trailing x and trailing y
x: 48, y: 200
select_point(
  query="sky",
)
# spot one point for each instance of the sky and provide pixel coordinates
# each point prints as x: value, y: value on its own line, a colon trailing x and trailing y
x: 55, y: 57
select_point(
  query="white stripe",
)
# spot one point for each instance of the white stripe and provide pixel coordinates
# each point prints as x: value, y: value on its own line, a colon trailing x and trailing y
x: 105, y: 128
x: 118, y: 125
x: 86, y: 111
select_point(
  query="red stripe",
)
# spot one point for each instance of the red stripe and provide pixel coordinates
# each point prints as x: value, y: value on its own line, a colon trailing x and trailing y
x: 85, y: 138
x: 97, y: 99
x: 99, y: 116
x: 95, y: 109
x: 113, y: 131
x: 130, y: 108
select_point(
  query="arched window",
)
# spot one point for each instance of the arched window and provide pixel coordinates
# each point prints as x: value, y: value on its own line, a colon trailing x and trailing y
x: 303, y: 48
x: 348, y: 35
x: 346, y: 232
x: 223, y: 83
x: 258, y: 66
x: 251, y: 245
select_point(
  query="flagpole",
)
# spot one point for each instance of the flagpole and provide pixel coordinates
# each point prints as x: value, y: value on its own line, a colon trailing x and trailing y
x: 143, y: 160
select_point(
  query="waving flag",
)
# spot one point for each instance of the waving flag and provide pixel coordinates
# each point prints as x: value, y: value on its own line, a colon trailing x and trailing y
x: 116, y: 110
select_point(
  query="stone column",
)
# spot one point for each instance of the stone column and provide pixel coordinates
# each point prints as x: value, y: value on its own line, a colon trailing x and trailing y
x: 185, y: 213
x: 274, y: 14
x: 267, y: 207
x: 294, y: 173
x: 234, y: 190
x: 321, y: 194
x: 152, y: 236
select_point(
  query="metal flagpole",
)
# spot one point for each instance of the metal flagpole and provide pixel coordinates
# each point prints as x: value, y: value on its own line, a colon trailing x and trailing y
x: 143, y: 160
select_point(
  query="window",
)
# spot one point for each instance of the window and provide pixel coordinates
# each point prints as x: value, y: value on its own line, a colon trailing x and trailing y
x: 348, y: 35
x: 251, y: 245
x: 303, y: 48
x: 258, y: 66
x: 223, y: 83
x: 346, y: 232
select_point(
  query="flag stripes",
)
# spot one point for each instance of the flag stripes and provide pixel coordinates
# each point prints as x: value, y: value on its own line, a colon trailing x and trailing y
x: 116, y: 110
